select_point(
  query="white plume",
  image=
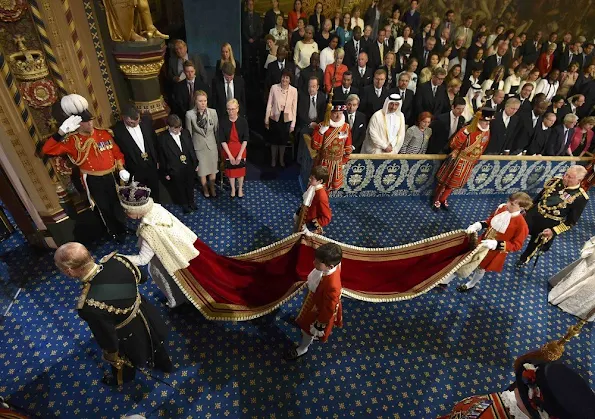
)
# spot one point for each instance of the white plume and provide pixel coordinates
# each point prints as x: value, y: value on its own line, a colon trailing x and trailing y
x: 74, y: 104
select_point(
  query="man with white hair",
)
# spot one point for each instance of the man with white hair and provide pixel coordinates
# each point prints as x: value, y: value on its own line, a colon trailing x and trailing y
x: 98, y: 157
x: 561, y: 136
x: 126, y: 327
x: 555, y: 210
x: 386, y: 128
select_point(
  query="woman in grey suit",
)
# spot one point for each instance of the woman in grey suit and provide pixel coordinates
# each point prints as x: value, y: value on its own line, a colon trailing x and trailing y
x: 203, y: 124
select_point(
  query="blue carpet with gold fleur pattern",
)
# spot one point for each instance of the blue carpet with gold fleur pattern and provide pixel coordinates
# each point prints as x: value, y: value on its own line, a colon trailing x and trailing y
x: 410, y: 359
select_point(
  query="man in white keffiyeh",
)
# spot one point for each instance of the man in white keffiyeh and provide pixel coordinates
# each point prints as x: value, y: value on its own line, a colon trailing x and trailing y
x: 386, y: 129
x: 165, y: 243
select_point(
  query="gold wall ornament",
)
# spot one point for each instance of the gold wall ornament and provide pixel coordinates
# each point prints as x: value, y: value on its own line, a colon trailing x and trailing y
x: 141, y: 70
x: 27, y: 65
x: 130, y: 20
x: 156, y: 108
x: 12, y: 10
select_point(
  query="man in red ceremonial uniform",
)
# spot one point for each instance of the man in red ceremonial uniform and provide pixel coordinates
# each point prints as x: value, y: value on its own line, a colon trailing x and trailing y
x: 98, y: 157
x: 333, y: 143
x: 321, y: 310
x: 467, y: 147
x: 542, y: 390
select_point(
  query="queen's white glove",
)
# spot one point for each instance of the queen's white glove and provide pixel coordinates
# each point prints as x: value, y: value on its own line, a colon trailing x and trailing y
x: 124, y: 175
x: 322, y: 129
x: 474, y: 228
x: 71, y: 124
x: 490, y: 244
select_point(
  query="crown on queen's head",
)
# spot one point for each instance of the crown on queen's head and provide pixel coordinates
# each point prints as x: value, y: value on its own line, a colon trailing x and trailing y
x: 134, y: 195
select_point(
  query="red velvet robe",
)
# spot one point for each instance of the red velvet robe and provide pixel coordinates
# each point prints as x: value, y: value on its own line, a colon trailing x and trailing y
x: 319, y: 213
x: 323, y: 305
x: 513, y: 239
x: 496, y: 410
x: 334, y: 148
x: 466, y: 151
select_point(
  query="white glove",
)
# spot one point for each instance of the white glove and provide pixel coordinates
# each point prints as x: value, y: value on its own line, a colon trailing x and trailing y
x: 586, y: 253
x: 71, y: 124
x: 306, y: 232
x: 124, y: 175
x: 490, y: 244
x: 322, y: 129
x: 474, y: 228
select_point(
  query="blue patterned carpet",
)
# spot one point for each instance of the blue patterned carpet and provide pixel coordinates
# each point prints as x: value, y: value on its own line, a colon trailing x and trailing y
x: 411, y: 359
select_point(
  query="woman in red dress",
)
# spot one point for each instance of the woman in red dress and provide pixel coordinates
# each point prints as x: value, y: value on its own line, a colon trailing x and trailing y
x: 234, y: 134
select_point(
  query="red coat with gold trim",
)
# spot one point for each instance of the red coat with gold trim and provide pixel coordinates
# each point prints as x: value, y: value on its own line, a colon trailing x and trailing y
x: 319, y: 211
x: 510, y: 241
x: 100, y: 154
x: 480, y: 407
x: 334, y: 148
x: 466, y: 148
x: 323, y: 305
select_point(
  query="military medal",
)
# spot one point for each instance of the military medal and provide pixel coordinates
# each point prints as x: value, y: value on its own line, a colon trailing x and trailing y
x: 145, y: 156
x: 183, y: 158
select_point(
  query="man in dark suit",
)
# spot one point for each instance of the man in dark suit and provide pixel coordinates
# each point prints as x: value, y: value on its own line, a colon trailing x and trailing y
x: 175, y: 66
x: 340, y: 93
x: 362, y: 74
x: 137, y: 141
x: 445, y: 126
x: 503, y: 128
x: 356, y: 121
x: 524, y: 96
x: 560, y: 136
x: 448, y: 22
x: 431, y: 96
x: 377, y: 51
x: 495, y: 101
x: 539, y: 142
x: 275, y: 69
x: 406, y: 97
x: 563, y: 59
x: 179, y: 163
x: 574, y: 106
x: 230, y: 87
x: 493, y: 61
x: 389, y: 40
x: 353, y: 48
x: 528, y: 120
x: 310, y: 110
x: 586, y: 57
x: 443, y: 41
x: 423, y: 56
x: 412, y: 17
x: 251, y: 33
x: 183, y: 92
x: 313, y: 70
x: 373, y: 96
x: 551, y: 40
x: 514, y: 49
x: 531, y: 49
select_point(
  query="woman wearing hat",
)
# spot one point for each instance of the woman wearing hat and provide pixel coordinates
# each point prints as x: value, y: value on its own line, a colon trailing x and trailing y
x: 467, y: 147
x: 166, y: 244
x: 333, y: 143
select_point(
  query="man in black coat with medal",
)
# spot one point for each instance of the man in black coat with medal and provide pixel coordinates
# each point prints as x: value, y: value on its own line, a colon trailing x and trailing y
x: 555, y: 210
x: 127, y: 328
x: 136, y: 138
x: 179, y: 163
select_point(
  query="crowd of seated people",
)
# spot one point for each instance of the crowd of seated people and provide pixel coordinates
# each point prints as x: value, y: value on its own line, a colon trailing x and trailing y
x: 442, y: 70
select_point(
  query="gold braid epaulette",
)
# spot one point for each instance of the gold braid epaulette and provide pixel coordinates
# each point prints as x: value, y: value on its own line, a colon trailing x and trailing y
x: 109, y: 308
x: 132, y: 267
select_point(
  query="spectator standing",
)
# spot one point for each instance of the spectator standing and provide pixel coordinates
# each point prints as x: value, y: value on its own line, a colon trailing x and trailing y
x: 280, y: 116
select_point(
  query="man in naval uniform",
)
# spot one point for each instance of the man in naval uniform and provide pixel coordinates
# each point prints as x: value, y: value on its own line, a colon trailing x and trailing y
x: 127, y: 328
x: 555, y: 210
x: 98, y: 157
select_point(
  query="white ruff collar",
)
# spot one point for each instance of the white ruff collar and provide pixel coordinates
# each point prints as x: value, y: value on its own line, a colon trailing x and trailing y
x: 501, y: 221
x: 338, y: 124
x: 308, y: 196
x: 315, y: 277
x: 509, y: 401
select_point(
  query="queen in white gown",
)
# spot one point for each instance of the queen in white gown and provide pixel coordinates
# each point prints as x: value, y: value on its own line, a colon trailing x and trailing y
x: 166, y: 244
x: 574, y: 286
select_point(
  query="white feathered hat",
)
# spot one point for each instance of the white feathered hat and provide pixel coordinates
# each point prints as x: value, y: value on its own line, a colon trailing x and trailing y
x: 76, y: 105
